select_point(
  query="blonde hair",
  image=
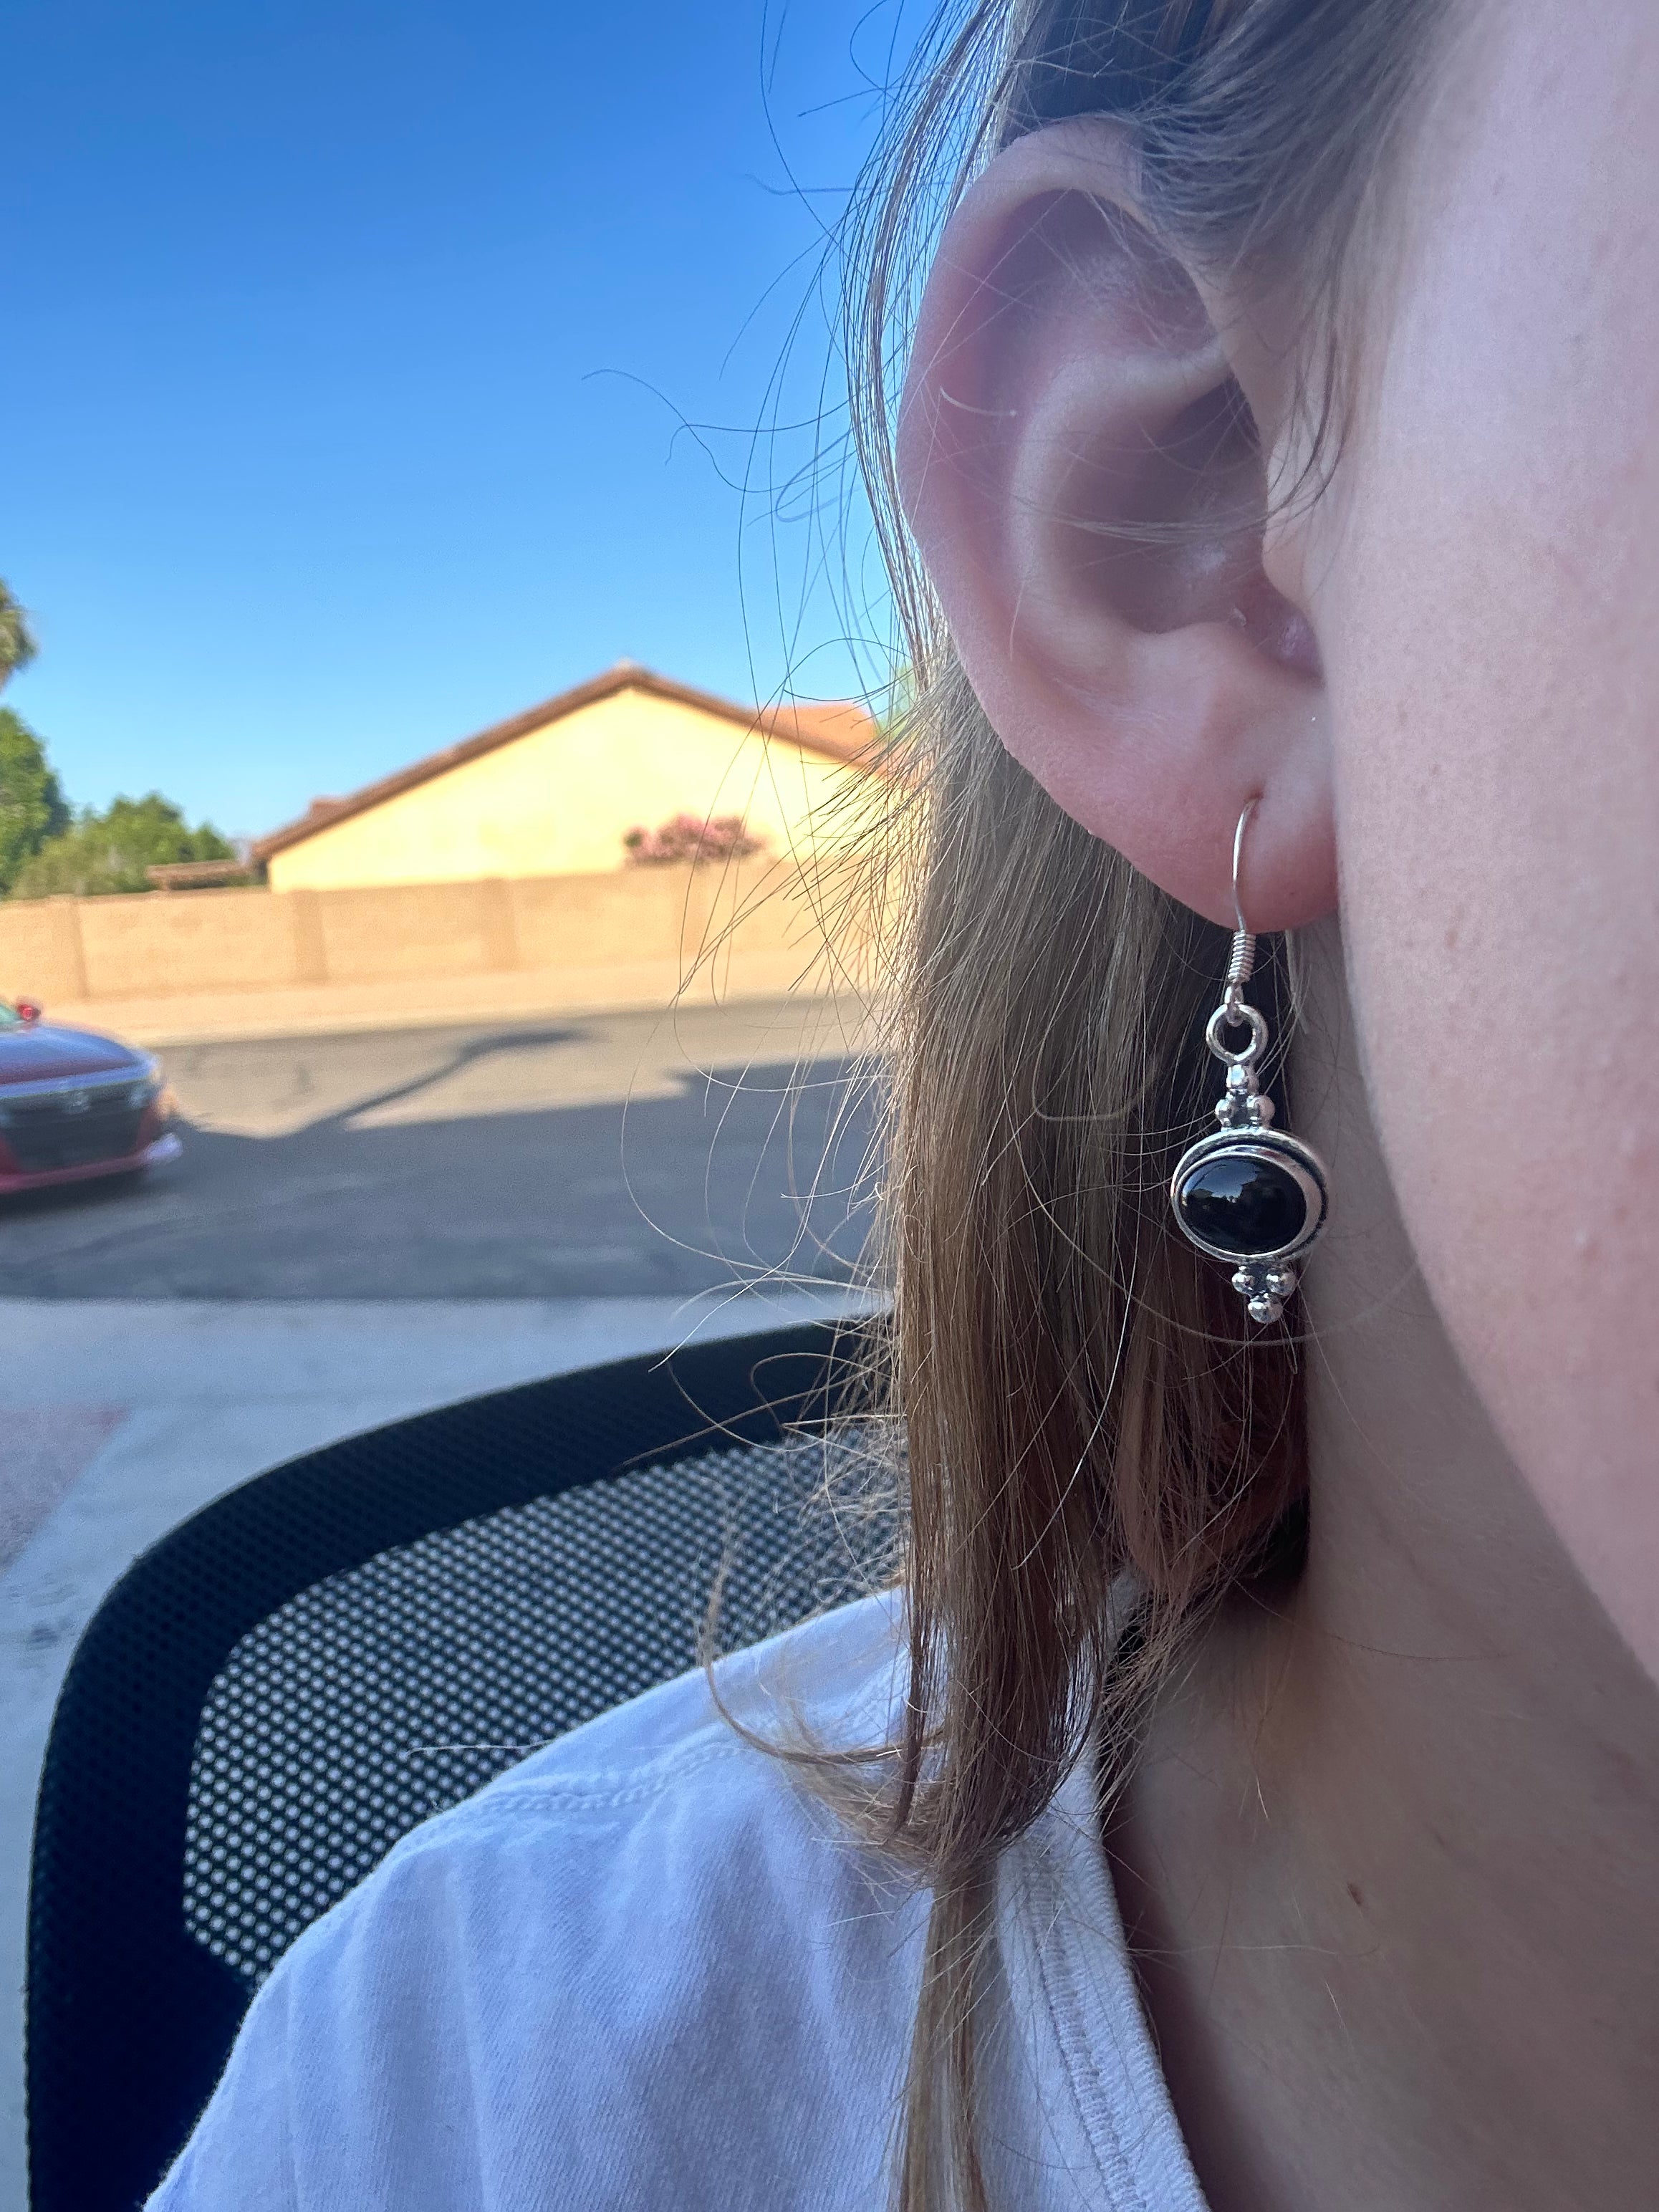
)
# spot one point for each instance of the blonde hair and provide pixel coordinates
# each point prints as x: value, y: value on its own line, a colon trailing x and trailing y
x: 1084, y: 1412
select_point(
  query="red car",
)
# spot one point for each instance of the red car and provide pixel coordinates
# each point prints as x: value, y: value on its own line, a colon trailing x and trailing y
x: 73, y: 1106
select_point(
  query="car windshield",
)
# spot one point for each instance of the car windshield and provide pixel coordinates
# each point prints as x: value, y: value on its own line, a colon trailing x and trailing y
x: 10, y: 1016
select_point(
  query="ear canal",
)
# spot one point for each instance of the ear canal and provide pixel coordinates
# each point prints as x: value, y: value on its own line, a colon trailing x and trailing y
x: 1166, y: 528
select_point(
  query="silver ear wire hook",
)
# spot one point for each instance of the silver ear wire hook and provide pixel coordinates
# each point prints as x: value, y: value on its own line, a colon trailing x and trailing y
x: 1251, y: 1195
x: 1241, y: 966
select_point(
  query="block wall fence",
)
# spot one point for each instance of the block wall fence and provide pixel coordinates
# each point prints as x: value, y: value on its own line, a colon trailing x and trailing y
x: 745, y: 933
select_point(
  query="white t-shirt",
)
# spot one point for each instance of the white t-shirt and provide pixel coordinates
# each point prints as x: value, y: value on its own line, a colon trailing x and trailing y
x: 646, y: 1972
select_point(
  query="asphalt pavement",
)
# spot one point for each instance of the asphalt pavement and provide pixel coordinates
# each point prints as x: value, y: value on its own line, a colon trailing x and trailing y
x: 621, y: 1155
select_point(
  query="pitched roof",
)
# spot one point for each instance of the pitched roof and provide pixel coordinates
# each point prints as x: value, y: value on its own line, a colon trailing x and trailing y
x: 836, y: 730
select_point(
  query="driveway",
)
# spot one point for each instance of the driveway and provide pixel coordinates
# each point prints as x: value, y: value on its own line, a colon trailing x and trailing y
x: 612, y: 1156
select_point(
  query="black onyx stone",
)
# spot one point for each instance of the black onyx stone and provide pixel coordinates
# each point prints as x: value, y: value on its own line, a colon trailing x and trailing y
x: 1243, y: 1206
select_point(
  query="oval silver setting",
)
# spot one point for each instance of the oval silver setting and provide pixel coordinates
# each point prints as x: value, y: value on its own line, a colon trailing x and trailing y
x: 1274, y: 1148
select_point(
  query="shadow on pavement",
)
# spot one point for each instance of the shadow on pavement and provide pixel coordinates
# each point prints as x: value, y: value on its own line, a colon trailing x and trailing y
x: 744, y: 1170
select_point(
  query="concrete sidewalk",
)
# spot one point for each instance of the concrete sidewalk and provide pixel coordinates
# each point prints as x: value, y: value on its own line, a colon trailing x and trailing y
x: 411, y: 1002
x: 118, y: 1418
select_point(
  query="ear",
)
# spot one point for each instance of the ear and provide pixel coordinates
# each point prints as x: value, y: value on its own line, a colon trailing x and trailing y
x: 1086, y: 482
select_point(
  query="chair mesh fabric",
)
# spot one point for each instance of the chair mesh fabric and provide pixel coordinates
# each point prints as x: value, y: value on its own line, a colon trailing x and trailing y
x: 384, y: 1694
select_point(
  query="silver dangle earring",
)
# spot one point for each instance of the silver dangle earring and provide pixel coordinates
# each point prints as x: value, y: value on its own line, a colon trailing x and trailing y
x: 1251, y: 1195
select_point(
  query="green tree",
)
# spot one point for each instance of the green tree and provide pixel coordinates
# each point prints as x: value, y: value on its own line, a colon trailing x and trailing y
x: 17, y: 646
x: 32, y: 809
x: 110, y: 852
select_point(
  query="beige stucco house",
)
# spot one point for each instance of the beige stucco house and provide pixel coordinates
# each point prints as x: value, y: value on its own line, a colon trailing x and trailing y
x: 555, y: 791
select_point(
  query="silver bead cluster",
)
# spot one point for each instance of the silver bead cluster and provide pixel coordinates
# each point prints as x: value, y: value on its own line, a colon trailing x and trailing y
x: 1243, y: 1104
x: 1264, y: 1289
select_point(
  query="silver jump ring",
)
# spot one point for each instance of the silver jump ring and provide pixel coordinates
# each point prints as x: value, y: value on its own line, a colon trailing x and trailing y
x: 1225, y: 1017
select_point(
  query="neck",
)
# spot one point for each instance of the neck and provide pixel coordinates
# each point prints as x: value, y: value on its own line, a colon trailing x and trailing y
x: 1391, y: 1864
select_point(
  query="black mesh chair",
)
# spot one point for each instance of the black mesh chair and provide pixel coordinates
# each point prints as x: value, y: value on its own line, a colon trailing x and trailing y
x: 294, y: 1677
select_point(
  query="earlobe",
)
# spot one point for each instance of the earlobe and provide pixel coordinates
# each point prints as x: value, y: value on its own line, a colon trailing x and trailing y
x: 1086, y: 482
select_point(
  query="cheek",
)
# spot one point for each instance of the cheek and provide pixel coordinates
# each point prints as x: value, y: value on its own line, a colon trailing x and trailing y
x: 1492, y: 651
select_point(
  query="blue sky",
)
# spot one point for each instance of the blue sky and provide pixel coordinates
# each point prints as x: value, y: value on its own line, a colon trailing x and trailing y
x: 345, y: 348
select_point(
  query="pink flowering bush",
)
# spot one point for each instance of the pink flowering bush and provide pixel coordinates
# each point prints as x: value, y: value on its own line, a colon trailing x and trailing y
x: 684, y: 838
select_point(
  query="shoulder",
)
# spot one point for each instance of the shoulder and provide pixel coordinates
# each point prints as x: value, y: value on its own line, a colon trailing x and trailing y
x: 647, y: 1935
